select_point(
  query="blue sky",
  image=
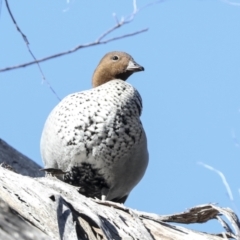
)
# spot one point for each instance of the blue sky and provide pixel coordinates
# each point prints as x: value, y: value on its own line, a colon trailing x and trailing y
x: 190, y: 88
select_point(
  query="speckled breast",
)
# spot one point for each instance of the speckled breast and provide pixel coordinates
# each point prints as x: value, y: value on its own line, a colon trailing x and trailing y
x: 98, y: 127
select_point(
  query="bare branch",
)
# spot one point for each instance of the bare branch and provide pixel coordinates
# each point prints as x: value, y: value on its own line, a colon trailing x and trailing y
x: 30, y: 51
x: 123, y: 21
x: 72, y: 50
x: 15, y: 23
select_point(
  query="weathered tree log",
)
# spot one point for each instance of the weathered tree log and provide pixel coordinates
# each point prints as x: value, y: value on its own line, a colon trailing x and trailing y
x: 12, y: 226
x: 58, y: 210
x: 19, y: 162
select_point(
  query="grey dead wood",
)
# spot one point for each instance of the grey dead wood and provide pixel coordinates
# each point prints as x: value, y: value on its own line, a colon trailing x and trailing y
x: 60, y: 212
x: 12, y: 225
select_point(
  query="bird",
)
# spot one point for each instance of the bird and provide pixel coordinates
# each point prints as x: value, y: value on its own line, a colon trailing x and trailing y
x: 94, y: 139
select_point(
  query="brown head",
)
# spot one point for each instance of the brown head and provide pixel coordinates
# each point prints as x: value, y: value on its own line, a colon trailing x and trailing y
x: 115, y: 65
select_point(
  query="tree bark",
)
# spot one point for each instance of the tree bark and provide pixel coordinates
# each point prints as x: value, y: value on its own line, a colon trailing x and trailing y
x: 60, y: 212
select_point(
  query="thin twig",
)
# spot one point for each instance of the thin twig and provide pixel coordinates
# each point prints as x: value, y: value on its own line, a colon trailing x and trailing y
x: 126, y: 20
x: 15, y: 23
x: 73, y: 50
x: 224, y: 180
x: 30, y: 51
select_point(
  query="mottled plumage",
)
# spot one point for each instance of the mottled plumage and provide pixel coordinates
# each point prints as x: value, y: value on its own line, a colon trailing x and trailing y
x: 95, y: 137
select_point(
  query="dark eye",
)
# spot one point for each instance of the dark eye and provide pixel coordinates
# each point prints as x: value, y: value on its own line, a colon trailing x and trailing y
x: 115, y: 58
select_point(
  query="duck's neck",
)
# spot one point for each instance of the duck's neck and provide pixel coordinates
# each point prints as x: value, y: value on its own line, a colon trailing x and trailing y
x: 100, y: 77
